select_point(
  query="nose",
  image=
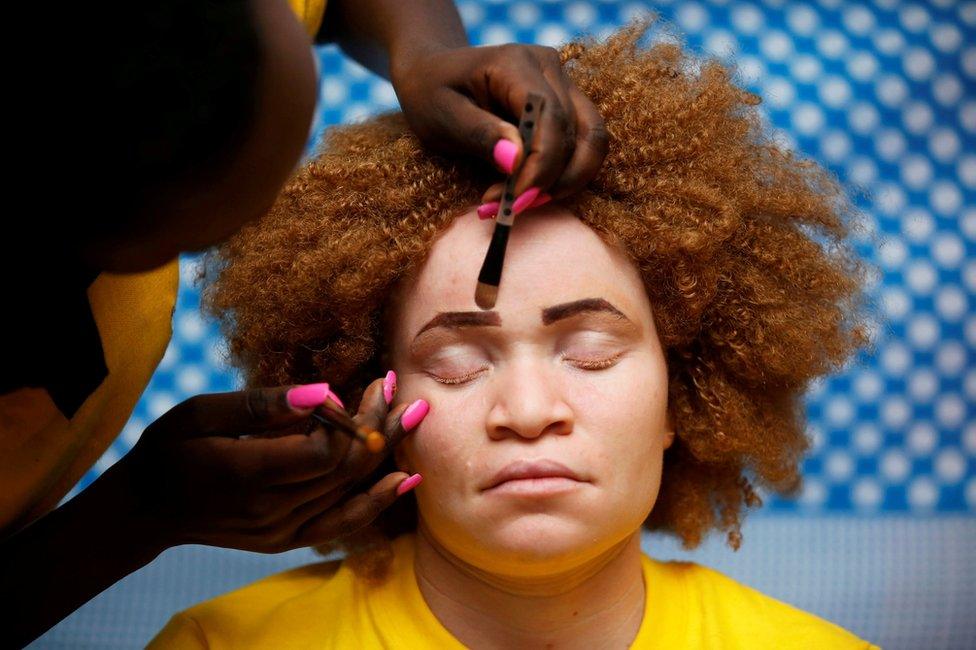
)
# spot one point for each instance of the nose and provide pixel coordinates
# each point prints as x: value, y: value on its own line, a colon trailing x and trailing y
x: 528, y: 403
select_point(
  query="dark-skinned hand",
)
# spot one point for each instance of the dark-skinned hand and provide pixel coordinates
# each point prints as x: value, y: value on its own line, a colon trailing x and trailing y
x: 228, y: 470
x: 452, y: 99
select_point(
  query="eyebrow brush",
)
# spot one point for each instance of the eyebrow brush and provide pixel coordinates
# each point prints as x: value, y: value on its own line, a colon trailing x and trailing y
x: 491, y: 270
x: 330, y: 416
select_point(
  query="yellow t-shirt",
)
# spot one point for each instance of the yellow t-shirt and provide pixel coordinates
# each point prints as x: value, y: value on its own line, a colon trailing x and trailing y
x: 325, y: 606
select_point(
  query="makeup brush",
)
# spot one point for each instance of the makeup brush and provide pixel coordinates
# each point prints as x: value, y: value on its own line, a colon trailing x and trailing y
x: 331, y: 416
x: 491, y: 270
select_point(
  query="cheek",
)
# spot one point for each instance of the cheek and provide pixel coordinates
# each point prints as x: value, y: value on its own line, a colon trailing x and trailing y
x: 634, y: 395
x: 629, y: 410
x: 443, y: 448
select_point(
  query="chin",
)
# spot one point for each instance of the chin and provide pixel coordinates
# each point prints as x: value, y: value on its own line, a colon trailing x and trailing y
x: 540, y: 543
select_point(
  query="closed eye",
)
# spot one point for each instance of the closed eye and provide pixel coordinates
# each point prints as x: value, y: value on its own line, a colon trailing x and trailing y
x: 597, y: 363
x: 457, y: 380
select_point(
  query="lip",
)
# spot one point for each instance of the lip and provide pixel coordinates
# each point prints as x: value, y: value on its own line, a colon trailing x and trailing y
x: 522, y: 470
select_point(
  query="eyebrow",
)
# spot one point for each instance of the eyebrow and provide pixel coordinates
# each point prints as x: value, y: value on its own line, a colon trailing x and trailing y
x: 459, y: 319
x: 567, y: 309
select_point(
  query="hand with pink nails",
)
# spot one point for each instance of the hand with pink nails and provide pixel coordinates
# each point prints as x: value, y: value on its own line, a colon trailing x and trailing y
x: 252, y: 470
x: 469, y: 99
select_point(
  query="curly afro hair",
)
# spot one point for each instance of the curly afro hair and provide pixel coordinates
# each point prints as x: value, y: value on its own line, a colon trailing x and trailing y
x: 744, y: 249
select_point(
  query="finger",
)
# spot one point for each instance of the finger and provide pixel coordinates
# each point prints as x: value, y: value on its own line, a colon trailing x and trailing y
x: 555, y: 131
x: 358, y: 461
x: 466, y: 128
x: 241, y: 412
x: 311, y: 499
x: 353, y: 459
x: 293, y: 497
x: 372, y: 407
x: 331, y: 523
x: 493, y: 193
x: 517, y: 73
x: 258, y: 462
x: 490, y: 210
x: 592, y: 144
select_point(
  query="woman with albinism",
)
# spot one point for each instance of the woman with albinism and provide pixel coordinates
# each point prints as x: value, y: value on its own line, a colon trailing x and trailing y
x: 642, y: 370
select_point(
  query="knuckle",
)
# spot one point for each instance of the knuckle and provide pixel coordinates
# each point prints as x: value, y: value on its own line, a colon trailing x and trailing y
x: 350, y: 522
x: 568, y: 141
x: 598, y: 137
x: 189, y: 411
x: 511, y: 50
x: 559, y: 115
x: 257, y: 403
x: 483, y: 136
x: 551, y: 56
x: 319, y: 450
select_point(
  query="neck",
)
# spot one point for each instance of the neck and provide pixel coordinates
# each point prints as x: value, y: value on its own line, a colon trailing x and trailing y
x: 597, y: 604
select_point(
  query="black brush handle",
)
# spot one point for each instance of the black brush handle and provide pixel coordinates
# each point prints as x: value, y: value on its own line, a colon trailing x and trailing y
x: 491, y: 269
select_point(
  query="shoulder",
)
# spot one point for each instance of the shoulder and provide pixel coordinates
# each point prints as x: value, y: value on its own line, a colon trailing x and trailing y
x: 719, y: 606
x: 230, y: 619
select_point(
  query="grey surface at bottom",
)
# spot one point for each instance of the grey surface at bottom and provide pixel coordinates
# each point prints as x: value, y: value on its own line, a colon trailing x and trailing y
x: 900, y: 582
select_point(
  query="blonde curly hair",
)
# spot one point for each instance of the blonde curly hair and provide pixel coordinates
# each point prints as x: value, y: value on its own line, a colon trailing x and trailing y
x: 744, y: 249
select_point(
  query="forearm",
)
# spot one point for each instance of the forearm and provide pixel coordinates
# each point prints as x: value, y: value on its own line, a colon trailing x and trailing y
x: 378, y: 32
x: 61, y: 561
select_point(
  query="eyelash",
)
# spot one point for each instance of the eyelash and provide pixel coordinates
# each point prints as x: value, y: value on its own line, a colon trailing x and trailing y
x: 583, y: 364
x: 596, y: 364
x: 454, y: 381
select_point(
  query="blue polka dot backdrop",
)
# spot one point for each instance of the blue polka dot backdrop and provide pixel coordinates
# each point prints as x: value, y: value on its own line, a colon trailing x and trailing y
x: 882, y: 94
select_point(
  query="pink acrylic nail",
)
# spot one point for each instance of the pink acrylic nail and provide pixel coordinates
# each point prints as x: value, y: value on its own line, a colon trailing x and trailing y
x: 505, y: 153
x: 414, y: 414
x: 308, y: 396
x: 389, y: 386
x: 487, y: 210
x: 525, y: 200
x: 408, y: 484
x: 335, y: 398
x: 542, y: 199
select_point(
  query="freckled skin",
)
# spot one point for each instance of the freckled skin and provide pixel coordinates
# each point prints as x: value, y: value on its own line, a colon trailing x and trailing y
x: 529, y: 398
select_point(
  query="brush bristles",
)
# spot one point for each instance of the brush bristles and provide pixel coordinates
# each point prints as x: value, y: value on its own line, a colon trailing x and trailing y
x: 486, y: 295
x: 375, y: 442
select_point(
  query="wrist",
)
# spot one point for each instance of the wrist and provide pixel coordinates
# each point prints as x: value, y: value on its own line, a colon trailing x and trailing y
x: 406, y: 60
x: 124, y: 510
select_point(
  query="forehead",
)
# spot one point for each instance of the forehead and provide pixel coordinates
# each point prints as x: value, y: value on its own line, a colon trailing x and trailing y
x: 552, y: 258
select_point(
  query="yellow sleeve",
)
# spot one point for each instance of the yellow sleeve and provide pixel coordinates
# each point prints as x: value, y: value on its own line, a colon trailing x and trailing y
x: 43, y: 453
x: 310, y: 13
x: 181, y: 632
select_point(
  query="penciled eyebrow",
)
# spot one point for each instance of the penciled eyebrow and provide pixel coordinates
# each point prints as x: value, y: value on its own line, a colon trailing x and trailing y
x: 460, y: 319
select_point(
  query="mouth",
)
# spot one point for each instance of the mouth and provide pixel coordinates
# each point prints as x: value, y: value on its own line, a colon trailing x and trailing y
x: 531, y: 476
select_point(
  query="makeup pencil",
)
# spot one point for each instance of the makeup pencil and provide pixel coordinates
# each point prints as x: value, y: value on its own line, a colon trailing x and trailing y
x: 330, y: 416
x: 491, y: 270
